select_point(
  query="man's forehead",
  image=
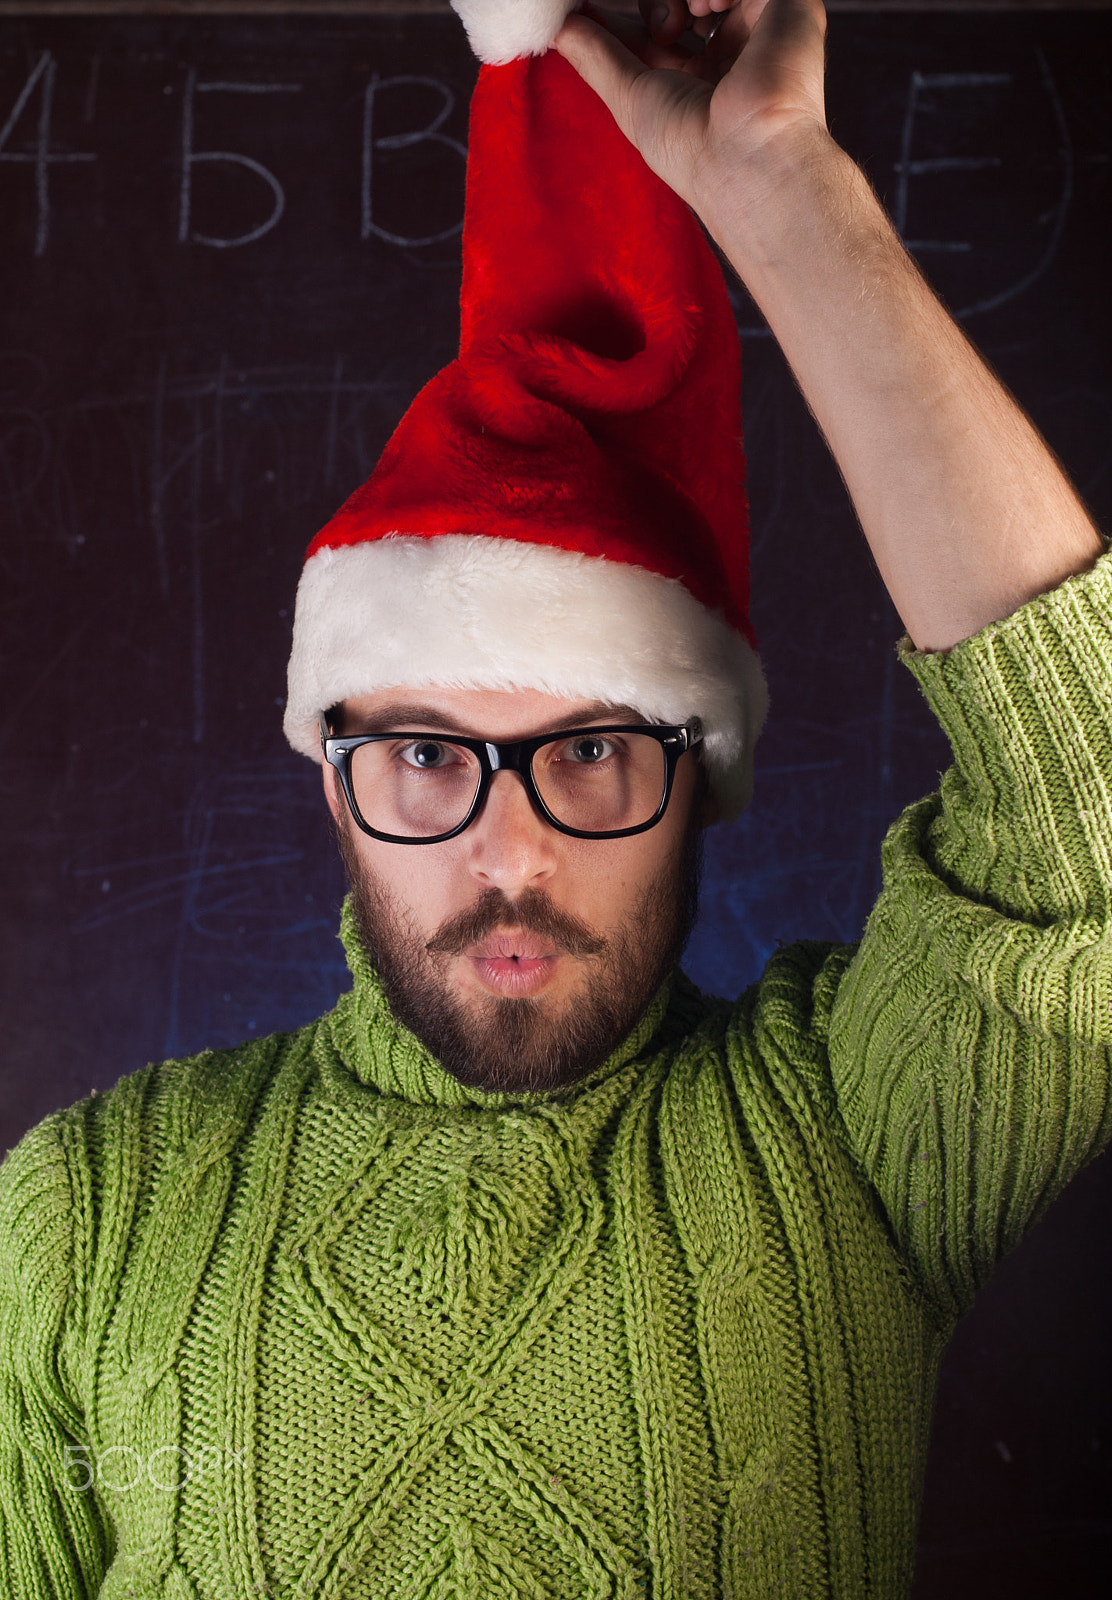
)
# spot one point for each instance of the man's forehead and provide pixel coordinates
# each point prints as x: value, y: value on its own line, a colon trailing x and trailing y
x: 482, y: 713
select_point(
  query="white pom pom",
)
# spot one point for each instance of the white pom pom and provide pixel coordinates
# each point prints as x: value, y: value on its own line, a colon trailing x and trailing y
x: 502, y: 30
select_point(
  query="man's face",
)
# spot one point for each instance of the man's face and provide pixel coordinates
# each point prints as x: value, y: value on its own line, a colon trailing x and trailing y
x: 519, y: 956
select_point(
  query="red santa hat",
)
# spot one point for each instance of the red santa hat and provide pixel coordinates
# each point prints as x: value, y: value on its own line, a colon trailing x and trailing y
x: 562, y: 507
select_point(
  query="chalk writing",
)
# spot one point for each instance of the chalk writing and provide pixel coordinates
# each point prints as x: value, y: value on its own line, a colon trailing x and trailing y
x: 42, y: 153
x: 907, y: 167
x: 1058, y: 214
x: 191, y: 157
x: 927, y: 95
x: 430, y: 133
x: 233, y: 893
x: 42, y: 156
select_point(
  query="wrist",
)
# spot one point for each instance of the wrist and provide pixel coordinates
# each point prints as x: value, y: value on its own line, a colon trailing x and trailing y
x: 760, y: 200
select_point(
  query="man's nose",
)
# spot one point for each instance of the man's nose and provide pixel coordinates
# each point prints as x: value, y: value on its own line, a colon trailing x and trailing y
x: 512, y: 847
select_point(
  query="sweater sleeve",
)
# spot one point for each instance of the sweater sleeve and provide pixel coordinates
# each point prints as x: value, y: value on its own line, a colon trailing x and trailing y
x: 971, y: 1034
x: 53, y: 1535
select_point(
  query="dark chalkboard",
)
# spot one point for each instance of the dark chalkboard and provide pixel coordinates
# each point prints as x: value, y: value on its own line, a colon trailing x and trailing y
x: 230, y: 257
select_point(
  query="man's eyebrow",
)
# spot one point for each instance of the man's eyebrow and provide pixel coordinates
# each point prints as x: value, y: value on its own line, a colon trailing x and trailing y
x: 400, y: 717
x: 404, y: 716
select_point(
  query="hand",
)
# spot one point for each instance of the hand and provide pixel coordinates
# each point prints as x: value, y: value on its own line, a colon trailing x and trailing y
x: 966, y: 510
x: 698, y: 114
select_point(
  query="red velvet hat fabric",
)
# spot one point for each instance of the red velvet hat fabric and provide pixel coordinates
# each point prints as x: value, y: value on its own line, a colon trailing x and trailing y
x: 595, y: 402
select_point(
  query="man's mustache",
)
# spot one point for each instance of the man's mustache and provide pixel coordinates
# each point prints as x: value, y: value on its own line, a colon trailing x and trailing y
x: 532, y: 912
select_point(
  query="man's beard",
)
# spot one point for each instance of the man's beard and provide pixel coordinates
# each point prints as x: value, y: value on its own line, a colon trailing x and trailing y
x: 526, y: 1045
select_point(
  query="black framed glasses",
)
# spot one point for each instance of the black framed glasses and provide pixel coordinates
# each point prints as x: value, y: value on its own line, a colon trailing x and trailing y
x: 602, y: 782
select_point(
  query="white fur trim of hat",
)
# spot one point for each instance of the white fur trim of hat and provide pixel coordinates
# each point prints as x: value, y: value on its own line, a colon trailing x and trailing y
x: 460, y: 611
x: 503, y: 30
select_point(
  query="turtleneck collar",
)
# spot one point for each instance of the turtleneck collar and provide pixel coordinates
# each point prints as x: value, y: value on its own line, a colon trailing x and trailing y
x: 365, y: 1045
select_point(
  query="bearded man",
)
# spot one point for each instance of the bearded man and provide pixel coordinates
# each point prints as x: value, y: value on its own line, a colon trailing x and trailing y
x: 529, y: 1270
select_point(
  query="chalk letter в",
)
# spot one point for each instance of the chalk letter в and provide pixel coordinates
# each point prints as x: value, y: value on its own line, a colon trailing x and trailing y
x: 430, y: 134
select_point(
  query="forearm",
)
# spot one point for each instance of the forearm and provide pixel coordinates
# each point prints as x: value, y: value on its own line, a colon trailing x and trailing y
x: 966, y: 511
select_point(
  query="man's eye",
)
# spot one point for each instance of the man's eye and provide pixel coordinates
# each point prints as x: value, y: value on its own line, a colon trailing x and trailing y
x: 589, y: 750
x: 428, y: 753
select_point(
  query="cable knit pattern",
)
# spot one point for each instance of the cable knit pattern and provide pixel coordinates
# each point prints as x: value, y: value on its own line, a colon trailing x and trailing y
x: 308, y: 1319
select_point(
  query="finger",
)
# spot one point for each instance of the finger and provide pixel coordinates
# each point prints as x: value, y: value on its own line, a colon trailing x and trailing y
x: 636, y: 37
x: 666, y: 20
x: 726, y: 34
x: 725, y: 18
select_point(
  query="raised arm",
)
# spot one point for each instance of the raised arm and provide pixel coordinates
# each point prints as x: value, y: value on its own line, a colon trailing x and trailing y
x: 965, y: 508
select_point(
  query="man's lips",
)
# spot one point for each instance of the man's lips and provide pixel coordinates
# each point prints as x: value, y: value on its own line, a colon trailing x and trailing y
x: 514, y: 964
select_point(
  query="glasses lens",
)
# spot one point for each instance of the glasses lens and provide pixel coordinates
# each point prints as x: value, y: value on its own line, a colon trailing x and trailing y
x: 414, y: 788
x: 601, y: 782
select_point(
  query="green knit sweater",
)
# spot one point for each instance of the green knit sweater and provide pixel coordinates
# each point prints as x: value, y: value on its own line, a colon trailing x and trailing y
x: 306, y: 1318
